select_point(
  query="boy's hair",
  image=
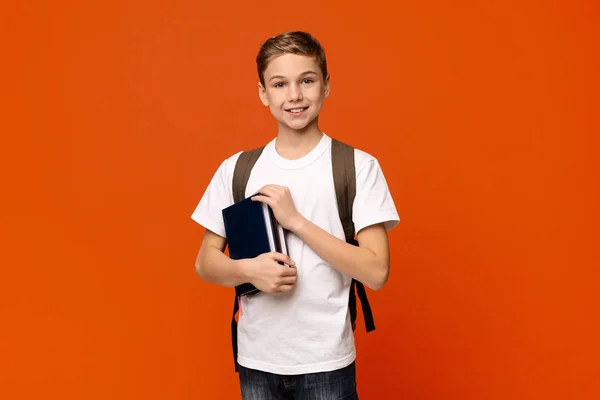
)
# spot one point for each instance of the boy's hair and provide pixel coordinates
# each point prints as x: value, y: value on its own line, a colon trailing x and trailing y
x: 296, y: 42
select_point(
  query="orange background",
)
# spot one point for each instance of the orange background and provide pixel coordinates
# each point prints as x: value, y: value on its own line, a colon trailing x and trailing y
x: 484, y: 116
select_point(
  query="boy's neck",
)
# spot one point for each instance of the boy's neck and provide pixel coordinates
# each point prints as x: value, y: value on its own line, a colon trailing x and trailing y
x: 292, y: 144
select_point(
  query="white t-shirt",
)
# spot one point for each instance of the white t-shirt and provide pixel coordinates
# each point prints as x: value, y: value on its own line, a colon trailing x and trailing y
x: 307, y: 330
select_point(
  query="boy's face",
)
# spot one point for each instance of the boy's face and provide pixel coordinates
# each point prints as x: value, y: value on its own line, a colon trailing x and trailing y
x: 294, y: 89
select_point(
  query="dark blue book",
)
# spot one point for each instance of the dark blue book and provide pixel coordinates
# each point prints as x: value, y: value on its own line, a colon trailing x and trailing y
x: 251, y: 230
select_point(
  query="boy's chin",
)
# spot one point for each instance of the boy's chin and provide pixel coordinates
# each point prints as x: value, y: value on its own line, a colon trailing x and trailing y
x: 297, y: 125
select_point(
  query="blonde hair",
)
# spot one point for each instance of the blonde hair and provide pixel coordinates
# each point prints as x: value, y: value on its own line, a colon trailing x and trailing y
x: 296, y: 42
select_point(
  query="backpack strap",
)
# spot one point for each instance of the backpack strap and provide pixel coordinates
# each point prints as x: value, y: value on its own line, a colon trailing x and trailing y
x: 342, y: 163
x: 344, y: 178
x: 241, y: 174
x: 234, y: 344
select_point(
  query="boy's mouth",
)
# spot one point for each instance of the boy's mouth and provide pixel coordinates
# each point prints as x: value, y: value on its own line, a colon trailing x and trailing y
x: 297, y: 110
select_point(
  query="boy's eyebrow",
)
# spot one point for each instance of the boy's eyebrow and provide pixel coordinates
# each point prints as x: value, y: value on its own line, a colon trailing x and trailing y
x: 283, y: 77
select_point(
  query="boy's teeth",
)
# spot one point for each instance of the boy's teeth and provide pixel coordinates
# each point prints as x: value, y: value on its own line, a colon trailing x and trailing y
x: 296, y: 110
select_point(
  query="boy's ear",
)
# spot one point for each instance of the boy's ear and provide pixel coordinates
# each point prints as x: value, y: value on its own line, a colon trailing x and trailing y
x: 327, y: 87
x: 262, y: 93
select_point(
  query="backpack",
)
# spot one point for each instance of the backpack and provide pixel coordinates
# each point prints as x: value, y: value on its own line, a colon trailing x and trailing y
x: 342, y: 158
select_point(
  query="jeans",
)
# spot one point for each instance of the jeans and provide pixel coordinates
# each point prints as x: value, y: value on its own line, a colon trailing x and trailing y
x: 334, y: 385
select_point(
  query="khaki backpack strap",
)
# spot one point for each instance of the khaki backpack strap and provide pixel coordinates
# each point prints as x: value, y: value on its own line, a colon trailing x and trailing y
x: 241, y: 173
x: 344, y: 178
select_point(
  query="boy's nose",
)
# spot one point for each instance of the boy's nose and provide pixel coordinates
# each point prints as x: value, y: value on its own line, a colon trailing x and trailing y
x: 294, y: 93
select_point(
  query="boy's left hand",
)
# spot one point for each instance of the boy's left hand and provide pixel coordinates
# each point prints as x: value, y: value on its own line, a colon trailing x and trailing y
x: 280, y: 200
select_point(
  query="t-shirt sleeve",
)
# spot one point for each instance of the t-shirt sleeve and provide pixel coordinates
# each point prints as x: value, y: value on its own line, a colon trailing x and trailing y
x: 217, y: 196
x: 373, y: 203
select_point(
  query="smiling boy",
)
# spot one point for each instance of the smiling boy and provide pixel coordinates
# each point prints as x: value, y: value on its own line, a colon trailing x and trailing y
x: 295, y: 338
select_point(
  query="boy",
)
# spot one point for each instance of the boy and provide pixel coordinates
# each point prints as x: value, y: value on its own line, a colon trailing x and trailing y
x: 295, y: 339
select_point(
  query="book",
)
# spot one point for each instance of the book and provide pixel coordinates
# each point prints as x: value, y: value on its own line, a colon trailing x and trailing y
x: 251, y: 229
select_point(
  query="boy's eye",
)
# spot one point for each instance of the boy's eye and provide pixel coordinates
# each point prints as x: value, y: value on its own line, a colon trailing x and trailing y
x: 307, y: 80
x: 278, y: 84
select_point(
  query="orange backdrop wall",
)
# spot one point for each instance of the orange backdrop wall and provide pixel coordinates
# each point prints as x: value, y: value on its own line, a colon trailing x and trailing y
x: 484, y: 116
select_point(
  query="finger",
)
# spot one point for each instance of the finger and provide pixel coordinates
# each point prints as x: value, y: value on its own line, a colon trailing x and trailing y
x: 282, y: 257
x: 285, y: 288
x: 265, y: 190
x: 289, y: 265
x: 288, y: 273
x: 263, y: 199
x: 281, y: 190
x: 287, y: 280
x: 268, y: 191
x: 274, y: 191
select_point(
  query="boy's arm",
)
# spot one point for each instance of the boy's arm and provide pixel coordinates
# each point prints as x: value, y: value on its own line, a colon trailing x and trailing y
x: 367, y: 263
x: 214, y: 266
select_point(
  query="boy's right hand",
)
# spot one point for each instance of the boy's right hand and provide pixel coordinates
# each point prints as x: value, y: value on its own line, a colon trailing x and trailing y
x: 267, y: 275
